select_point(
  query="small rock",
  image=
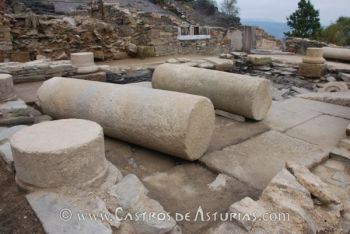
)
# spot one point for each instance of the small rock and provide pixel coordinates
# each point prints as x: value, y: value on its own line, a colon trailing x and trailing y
x: 183, y: 60
x: 132, y: 49
x: 342, y: 177
x: 330, y: 79
x: 218, y: 183
x: 206, y: 65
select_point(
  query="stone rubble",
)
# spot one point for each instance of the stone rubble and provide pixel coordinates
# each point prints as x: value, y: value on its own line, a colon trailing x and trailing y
x: 37, y: 70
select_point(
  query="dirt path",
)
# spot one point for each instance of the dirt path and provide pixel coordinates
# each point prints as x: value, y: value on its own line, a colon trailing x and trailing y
x: 16, y: 216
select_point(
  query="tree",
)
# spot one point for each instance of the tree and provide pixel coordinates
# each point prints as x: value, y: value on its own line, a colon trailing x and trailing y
x: 305, y: 21
x: 229, y: 7
x: 338, y: 33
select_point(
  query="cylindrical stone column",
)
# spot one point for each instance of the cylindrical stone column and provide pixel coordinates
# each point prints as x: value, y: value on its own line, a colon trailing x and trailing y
x: 7, y: 92
x: 336, y: 53
x: 314, y: 56
x: 177, y: 124
x: 84, y: 62
x: 239, y: 94
x: 59, y: 153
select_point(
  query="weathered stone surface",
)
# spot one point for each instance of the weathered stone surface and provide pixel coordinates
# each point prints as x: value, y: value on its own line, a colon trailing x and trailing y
x: 312, y: 183
x: 332, y: 87
x: 325, y: 131
x: 72, y: 156
x: 84, y: 62
x: 58, y: 215
x: 206, y: 65
x: 97, y: 76
x: 37, y: 70
x: 7, y: 133
x: 259, y: 61
x: 342, y: 54
x: 228, y: 132
x: 18, y: 106
x: 238, y: 94
x: 128, y: 190
x: 145, y: 84
x: 299, y: 105
x: 178, y: 124
x: 272, y: 149
x: 221, y: 64
x: 337, y: 98
x: 312, y: 70
x: 282, y: 118
x: 225, y: 228
x: 230, y: 115
x: 189, y: 192
x: 7, y: 92
x: 132, y: 195
x: 314, y: 56
x: 340, y: 152
x: 348, y: 130
x: 6, y: 155
x: 247, y: 207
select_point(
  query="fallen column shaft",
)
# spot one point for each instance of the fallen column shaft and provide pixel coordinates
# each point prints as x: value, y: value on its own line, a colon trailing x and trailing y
x: 342, y: 54
x: 177, y: 124
x: 243, y: 95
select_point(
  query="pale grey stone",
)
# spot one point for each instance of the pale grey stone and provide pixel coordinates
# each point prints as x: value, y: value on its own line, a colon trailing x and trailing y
x: 325, y: 131
x: 342, y: 177
x: 128, y: 190
x: 312, y: 183
x: 285, y: 180
x: 58, y: 215
x: 230, y: 115
x: 337, y: 98
x: 271, y: 149
x: 6, y: 154
x: 7, y: 133
x: 13, y: 106
x: 250, y: 208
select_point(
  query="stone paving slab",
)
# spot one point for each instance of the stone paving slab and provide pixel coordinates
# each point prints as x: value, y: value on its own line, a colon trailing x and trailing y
x: 281, y: 118
x: 57, y: 215
x: 187, y: 187
x: 229, y: 132
x: 257, y: 160
x: 300, y: 105
x: 325, y: 131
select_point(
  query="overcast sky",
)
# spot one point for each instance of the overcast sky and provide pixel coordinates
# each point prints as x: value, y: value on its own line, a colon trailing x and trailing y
x: 278, y: 10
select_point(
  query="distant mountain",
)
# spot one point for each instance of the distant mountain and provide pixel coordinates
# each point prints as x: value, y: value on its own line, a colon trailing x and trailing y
x: 273, y: 28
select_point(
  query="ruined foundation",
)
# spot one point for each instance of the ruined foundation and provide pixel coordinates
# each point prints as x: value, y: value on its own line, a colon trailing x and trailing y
x: 7, y: 92
x: 177, y: 124
x: 84, y: 62
x: 238, y: 94
x: 59, y: 153
x: 336, y: 53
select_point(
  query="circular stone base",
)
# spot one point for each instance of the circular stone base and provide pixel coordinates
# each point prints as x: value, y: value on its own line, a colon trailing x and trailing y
x: 59, y: 153
x: 7, y: 92
x: 86, y: 70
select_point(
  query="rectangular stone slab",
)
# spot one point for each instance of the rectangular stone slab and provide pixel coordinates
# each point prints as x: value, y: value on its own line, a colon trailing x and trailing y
x: 257, y: 160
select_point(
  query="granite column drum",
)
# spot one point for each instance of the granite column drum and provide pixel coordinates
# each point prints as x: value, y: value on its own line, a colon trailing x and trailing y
x: 342, y: 54
x: 7, y: 92
x: 58, y: 154
x: 84, y: 62
x: 239, y: 94
x: 174, y: 123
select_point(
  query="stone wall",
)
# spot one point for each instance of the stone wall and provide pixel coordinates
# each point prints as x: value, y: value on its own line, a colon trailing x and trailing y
x: 265, y: 41
x: 300, y: 45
